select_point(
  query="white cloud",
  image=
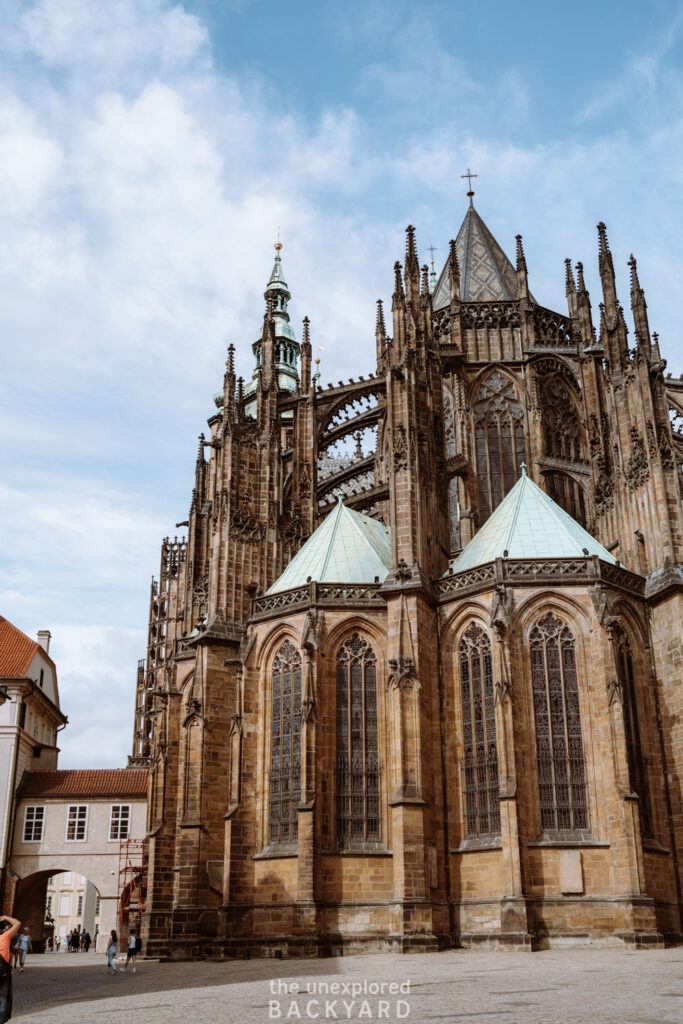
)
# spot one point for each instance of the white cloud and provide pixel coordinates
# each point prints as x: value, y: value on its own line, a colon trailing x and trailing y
x: 140, y: 191
x: 115, y: 36
x: 96, y: 677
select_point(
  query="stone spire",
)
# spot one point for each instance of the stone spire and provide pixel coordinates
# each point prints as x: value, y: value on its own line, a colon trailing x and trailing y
x: 639, y: 308
x: 380, y: 331
x: 522, y: 276
x: 412, y: 267
x: 306, y: 358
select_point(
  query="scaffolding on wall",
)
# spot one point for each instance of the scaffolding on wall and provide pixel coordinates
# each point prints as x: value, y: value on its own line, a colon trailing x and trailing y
x: 131, y: 886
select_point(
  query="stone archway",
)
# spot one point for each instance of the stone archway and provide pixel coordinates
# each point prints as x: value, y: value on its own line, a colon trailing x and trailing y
x: 30, y: 898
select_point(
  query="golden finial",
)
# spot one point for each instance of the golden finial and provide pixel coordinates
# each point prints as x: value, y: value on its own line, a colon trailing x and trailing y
x: 278, y: 244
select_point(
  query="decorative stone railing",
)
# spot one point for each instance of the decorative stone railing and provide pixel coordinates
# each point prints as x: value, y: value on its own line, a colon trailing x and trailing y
x: 551, y: 571
x: 348, y: 595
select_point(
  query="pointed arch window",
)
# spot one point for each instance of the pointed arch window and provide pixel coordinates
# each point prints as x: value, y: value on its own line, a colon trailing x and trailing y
x: 450, y: 445
x: 634, y: 753
x: 499, y: 440
x: 557, y: 715
x: 563, y: 438
x: 285, y: 746
x: 357, y: 763
x: 480, y: 753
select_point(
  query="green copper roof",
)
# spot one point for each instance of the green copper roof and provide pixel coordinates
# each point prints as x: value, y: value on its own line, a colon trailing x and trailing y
x: 528, y: 524
x: 486, y: 273
x: 347, y: 547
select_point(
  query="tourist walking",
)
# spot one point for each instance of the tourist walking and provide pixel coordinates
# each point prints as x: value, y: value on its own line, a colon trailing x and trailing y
x: 111, y: 953
x: 134, y: 947
x: 86, y: 941
x: 9, y: 926
x: 24, y: 946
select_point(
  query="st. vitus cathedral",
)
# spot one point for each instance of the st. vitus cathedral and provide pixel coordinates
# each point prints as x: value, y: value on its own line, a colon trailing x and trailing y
x: 426, y: 689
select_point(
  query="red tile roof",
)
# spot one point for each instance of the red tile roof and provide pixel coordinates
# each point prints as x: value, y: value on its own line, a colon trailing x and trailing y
x: 16, y: 651
x: 99, y: 782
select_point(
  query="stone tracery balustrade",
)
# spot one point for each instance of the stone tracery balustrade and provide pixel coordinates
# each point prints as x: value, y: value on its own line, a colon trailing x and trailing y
x: 346, y: 594
x: 530, y: 570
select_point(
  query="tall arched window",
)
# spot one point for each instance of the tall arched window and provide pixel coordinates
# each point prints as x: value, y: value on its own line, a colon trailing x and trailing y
x: 450, y: 444
x: 563, y: 438
x: 357, y: 766
x: 499, y: 440
x: 634, y: 754
x: 559, y: 746
x: 285, y: 746
x: 480, y: 755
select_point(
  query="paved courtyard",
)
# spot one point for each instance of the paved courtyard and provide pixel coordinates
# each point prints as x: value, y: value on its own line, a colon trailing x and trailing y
x: 572, y: 987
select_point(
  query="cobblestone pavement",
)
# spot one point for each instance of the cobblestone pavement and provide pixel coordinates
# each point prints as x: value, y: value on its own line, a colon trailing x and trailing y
x: 558, y: 987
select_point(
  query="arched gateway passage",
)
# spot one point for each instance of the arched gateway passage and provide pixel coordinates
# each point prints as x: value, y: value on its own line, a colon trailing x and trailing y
x: 79, y: 824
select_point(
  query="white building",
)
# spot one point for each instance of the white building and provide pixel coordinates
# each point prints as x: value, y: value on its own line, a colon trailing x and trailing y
x: 88, y: 823
x: 30, y: 719
x: 58, y: 827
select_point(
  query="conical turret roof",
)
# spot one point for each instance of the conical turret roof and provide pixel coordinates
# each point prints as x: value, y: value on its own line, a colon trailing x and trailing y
x: 486, y: 274
x: 347, y: 547
x: 528, y: 524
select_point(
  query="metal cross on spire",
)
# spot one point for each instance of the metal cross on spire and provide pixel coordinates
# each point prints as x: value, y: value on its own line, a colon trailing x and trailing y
x: 469, y: 177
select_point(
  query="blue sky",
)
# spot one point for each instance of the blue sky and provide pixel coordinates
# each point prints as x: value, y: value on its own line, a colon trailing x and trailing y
x: 148, y: 152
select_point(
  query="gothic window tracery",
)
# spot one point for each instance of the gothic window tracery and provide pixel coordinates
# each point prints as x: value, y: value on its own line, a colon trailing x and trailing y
x: 357, y: 763
x: 450, y: 445
x: 563, y: 438
x: 285, y: 746
x: 559, y: 745
x: 480, y: 754
x: 499, y: 440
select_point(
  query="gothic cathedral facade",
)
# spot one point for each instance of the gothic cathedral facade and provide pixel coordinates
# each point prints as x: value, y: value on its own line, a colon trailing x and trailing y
x: 415, y: 676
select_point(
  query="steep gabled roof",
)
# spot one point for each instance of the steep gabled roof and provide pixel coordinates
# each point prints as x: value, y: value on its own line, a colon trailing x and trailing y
x: 102, y: 782
x: 16, y: 651
x: 486, y: 273
x: 347, y: 547
x: 528, y: 524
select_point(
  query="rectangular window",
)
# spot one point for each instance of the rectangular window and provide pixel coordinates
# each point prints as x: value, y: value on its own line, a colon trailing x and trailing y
x: 48, y: 906
x: 97, y: 906
x: 76, y: 823
x: 119, y: 823
x: 79, y: 911
x: 34, y: 820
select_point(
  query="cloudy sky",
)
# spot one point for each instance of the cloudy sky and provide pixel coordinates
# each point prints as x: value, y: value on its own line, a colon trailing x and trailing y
x: 148, y: 153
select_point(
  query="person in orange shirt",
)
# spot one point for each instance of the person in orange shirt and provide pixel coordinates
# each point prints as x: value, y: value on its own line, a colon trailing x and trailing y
x: 9, y: 926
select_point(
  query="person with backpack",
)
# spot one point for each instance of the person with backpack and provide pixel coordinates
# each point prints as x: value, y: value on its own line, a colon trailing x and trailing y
x: 9, y: 926
x: 134, y: 947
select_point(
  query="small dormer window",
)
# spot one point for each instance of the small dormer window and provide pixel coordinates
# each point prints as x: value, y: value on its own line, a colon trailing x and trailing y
x: 42, y: 678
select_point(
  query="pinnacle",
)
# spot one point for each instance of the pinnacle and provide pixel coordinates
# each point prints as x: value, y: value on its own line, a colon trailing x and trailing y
x: 521, y: 258
x: 306, y: 331
x: 569, y: 277
x: 379, y: 325
x: 579, y: 274
x: 411, y: 251
x: 604, y: 254
x: 398, y: 282
x: 635, y: 283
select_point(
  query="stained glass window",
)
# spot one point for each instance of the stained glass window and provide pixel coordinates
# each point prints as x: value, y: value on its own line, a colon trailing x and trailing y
x: 499, y: 440
x: 357, y: 764
x: 285, y: 746
x: 559, y: 746
x: 480, y: 753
